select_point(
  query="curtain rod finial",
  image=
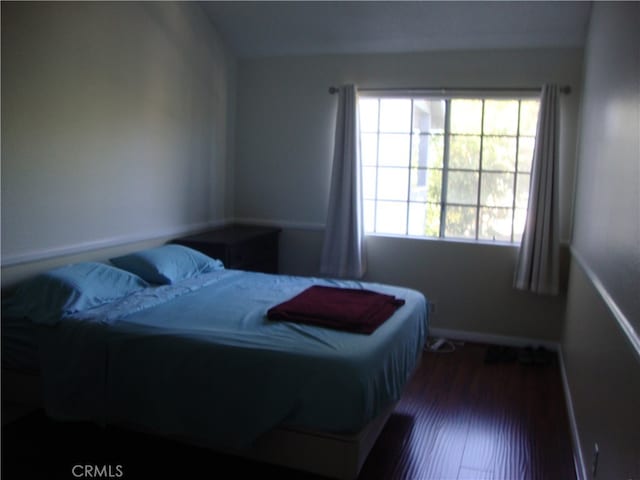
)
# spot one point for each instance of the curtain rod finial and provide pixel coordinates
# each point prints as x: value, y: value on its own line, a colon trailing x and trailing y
x: 333, y: 90
x: 566, y: 89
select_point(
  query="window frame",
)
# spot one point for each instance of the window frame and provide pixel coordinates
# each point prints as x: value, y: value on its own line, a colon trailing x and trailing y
x: 447, y: 96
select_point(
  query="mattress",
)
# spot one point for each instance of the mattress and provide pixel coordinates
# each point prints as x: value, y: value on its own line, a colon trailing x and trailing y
x: 201, y: 360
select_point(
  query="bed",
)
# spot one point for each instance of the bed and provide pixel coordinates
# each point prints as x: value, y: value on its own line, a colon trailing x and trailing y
x: 169, y: 341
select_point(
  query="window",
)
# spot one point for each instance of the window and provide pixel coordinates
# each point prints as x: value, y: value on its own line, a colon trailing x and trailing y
x: 447, y: 167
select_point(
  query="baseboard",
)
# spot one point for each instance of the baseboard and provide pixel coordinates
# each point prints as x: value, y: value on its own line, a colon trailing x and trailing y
x: 493, y: 339
x: 578, y: 457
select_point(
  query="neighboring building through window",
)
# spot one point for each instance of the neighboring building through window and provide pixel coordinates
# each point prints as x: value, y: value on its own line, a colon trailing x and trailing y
x: 454, y: 167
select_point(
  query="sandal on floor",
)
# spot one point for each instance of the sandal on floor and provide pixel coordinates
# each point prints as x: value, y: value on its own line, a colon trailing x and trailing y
x: 526, y: 355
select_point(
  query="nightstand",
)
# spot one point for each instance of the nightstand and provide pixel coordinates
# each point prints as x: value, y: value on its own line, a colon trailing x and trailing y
x: 240, y: 247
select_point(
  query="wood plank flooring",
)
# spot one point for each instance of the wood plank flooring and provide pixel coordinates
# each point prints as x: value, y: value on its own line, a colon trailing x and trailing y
x: 464, y: 419
x: 459, y: 419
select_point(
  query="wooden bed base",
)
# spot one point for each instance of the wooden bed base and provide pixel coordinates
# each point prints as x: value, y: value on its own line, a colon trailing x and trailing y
x: 330, y: 455
x: 326, y: 454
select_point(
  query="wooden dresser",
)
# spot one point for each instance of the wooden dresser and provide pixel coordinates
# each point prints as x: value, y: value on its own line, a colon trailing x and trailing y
x: 240, y: 247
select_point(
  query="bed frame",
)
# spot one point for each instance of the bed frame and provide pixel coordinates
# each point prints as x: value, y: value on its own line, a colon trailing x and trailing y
x: 339, y: 456
x: 330, y: 455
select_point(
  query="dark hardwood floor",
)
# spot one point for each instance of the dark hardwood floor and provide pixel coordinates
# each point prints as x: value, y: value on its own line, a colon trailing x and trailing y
x: 460, y: 419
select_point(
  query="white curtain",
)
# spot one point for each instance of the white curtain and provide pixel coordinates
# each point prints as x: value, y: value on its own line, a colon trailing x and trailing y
x: 343, y: 250
x: 538, y: 268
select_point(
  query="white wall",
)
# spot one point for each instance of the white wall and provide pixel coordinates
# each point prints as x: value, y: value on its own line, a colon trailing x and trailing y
x: 607, y: 217
x: 602, y: 365
x: 115, y: 125
x: 284, y: 146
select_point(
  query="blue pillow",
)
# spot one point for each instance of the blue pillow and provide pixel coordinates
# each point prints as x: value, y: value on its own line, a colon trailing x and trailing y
x: 49, y: 296
x: 167, y: 264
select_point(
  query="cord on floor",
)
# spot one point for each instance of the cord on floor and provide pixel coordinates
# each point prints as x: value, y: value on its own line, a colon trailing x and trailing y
x: 440, y: 345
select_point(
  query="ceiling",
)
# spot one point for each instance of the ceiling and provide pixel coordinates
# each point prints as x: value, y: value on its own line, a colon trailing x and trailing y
x: 265, y: 28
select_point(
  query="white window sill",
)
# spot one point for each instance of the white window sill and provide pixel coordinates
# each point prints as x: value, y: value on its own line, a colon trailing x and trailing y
x: 448, y: 240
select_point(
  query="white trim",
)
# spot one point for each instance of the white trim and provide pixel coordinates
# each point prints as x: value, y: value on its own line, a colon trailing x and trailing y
x: 578, y: 456
x: 623, y: 321
x: 492, y: 338
x: 46, y: 253
x: 315, y: 226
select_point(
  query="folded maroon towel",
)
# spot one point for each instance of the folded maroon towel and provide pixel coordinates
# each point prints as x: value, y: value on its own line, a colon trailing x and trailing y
x: 360, y: 311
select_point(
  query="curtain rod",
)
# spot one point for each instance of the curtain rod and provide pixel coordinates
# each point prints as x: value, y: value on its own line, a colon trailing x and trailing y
x: 566, y: 89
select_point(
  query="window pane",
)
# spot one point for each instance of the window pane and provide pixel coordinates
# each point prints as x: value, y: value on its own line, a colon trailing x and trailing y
x: 395, y: 115
x: 369, y: 182
x: 495, y: 224
x: 496, y: 190
x: 499, y: 153
x: 434, y: 184
x: 529, y: 117
x: 519, y: 220
x: 394, y: 150
x: 434, y: 211
x: 462, y: 187
x: 426, y: 185
x: 369, y: 148
x: 417, y: 219
x: 466, y: 116
x: 460, y: 222
x: 525, y: 153
x: 368, y: 114
x: 428, y: 116
x: 391, y: 217
x: 501, y: 117
x: 369, y: 210
x: 522, y: 190
x: 464, y: 151
x: 418, y: 186
x: 428, y: 151
x: 393, y: 183
x: 424, y: 219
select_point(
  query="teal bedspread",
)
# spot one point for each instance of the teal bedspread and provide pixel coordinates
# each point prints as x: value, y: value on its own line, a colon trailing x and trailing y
x: 200, y: 360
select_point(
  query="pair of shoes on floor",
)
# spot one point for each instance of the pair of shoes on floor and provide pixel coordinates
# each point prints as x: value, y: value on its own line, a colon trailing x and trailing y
x: 534, y: 356
x: 500, y: 354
